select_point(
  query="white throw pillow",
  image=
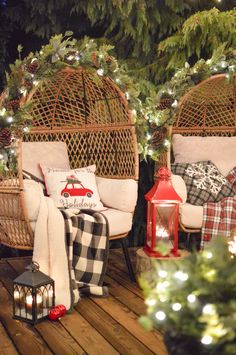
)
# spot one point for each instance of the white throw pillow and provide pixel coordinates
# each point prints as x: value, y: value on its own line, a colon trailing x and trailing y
x: 120, y: 194
x: 179, y: 185
x: 47, y: 153
x: 220, y: 150
x: 74, y: 188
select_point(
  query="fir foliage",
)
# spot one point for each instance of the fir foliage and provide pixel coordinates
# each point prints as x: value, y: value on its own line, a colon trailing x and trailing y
x: 194, y: 298
x: 200, y: 35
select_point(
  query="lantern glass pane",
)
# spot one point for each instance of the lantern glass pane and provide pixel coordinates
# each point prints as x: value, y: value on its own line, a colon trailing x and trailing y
x: 165, y: 223
x: 149, y: 224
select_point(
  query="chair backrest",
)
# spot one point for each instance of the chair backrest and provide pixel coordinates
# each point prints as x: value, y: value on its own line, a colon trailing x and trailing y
x: 208, y: 109
x: 91, y: 116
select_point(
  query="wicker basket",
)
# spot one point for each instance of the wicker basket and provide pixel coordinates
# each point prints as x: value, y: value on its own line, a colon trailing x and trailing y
x: 93, y: 119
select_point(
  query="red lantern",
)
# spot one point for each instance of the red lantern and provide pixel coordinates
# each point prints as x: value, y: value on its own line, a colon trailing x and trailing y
x: 162, y: 215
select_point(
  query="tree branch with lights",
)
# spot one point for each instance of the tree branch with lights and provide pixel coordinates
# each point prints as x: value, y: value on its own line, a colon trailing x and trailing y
x: 193, y: 299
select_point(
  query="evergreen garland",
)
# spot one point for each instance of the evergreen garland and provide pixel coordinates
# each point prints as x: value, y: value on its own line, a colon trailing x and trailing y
x: 152, y: 112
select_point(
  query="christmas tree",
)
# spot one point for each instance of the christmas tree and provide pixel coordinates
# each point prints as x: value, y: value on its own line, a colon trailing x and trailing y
x: 193, y: 300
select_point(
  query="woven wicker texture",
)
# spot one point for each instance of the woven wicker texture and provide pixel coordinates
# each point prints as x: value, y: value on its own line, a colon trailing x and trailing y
x: 91, y: 115
x: 209, y: 108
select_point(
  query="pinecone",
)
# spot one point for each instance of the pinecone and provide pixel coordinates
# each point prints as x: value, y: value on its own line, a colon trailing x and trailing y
x: 12, y: 105
x: 5, y: 137
x: 32, y: 67
x: 165, y: 103
x: 70, y: 57
x: 158, y: 136
x: 94, y: 59
x: 111, y: 63
x: 28, y: 84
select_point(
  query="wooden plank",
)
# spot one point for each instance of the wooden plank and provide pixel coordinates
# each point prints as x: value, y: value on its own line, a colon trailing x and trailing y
x: 7, y: 347
x: 129, y: 320
x: 131, y: 300
x: 24, y: 336
x: 87, y: 336
x: 122, y: 278
x: 118, y: 336
x: 54, y: 334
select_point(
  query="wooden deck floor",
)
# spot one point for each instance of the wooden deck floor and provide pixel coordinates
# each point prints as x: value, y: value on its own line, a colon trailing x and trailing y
x: 96, y: 326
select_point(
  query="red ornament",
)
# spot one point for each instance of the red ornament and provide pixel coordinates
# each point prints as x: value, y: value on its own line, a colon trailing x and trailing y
x: 162, y: 215
x: 57, y: 312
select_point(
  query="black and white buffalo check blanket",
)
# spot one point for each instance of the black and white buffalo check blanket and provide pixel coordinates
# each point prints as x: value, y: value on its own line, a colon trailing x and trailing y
x: 219, y: 219
x: 87, y: 248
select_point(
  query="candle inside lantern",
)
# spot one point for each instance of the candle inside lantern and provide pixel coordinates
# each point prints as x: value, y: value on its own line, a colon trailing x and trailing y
x: 29, y: 303
x: 161, y: 232
x: 17, y: 301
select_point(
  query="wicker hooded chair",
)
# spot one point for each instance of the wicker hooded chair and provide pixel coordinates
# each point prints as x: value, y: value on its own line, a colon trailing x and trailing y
x: 208, y: 109
x: 92, y: 118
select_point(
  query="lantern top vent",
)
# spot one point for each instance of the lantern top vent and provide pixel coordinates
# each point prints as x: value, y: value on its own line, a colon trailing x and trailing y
x: 163, y: 191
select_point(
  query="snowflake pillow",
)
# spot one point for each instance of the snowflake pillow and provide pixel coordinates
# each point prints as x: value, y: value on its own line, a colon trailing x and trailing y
x: 75, y: 188
x: 204, y: 182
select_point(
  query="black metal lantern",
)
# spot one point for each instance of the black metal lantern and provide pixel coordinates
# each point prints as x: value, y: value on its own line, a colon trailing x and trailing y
x: 34, y: 295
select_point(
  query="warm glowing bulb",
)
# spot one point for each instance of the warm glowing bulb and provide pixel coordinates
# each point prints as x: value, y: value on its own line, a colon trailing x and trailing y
x: 176, y: 307
x: 191, y: 298
x: 10, y: 119
x: 162, y: 273
x: 160, y: 315
x: 209, y: 309
x: 206, y: 340
x: 180, y: 275
x: 150, y: 302
x: 209, y: 255
x: 100, y: 72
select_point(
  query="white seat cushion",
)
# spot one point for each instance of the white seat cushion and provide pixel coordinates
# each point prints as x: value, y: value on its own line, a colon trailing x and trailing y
x: 191, y: 216
x: 120, y: 194
x: 119, y: 222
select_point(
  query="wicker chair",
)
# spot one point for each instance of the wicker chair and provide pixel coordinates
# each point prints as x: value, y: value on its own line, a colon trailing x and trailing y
x: 208, y: 109
x: 93, y: 118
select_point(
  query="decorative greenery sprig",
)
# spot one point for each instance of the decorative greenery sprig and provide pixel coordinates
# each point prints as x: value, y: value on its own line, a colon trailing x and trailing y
x: 195, y: 297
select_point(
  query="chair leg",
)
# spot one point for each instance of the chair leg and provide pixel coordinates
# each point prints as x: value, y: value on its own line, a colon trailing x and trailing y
x: 127, y: 259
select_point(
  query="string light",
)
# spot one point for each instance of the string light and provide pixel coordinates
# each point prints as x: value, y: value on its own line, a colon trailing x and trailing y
x: 127, y: 95
x: 150, y: 302
x: 206, y: 340
x: 175, y: 104
x: 209, y: 255
x: 100, y: 72
x: 191, y: 298
x: 9, y: 119
x: 232, y: 245
x: 209, y: 309
x: 160, y: 315
x: 162, y: 273
x: 176, y: 307
x: 180, y: 275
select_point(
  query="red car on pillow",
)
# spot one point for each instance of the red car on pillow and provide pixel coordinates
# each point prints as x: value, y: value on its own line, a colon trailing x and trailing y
x: 74, y: 187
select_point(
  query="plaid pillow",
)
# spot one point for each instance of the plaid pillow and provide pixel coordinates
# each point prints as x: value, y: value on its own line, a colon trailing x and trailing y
x: 231, y: 177
x: 204, y: 182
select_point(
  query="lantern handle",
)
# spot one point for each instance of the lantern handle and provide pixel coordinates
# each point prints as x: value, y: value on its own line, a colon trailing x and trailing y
x: 33, y: 267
